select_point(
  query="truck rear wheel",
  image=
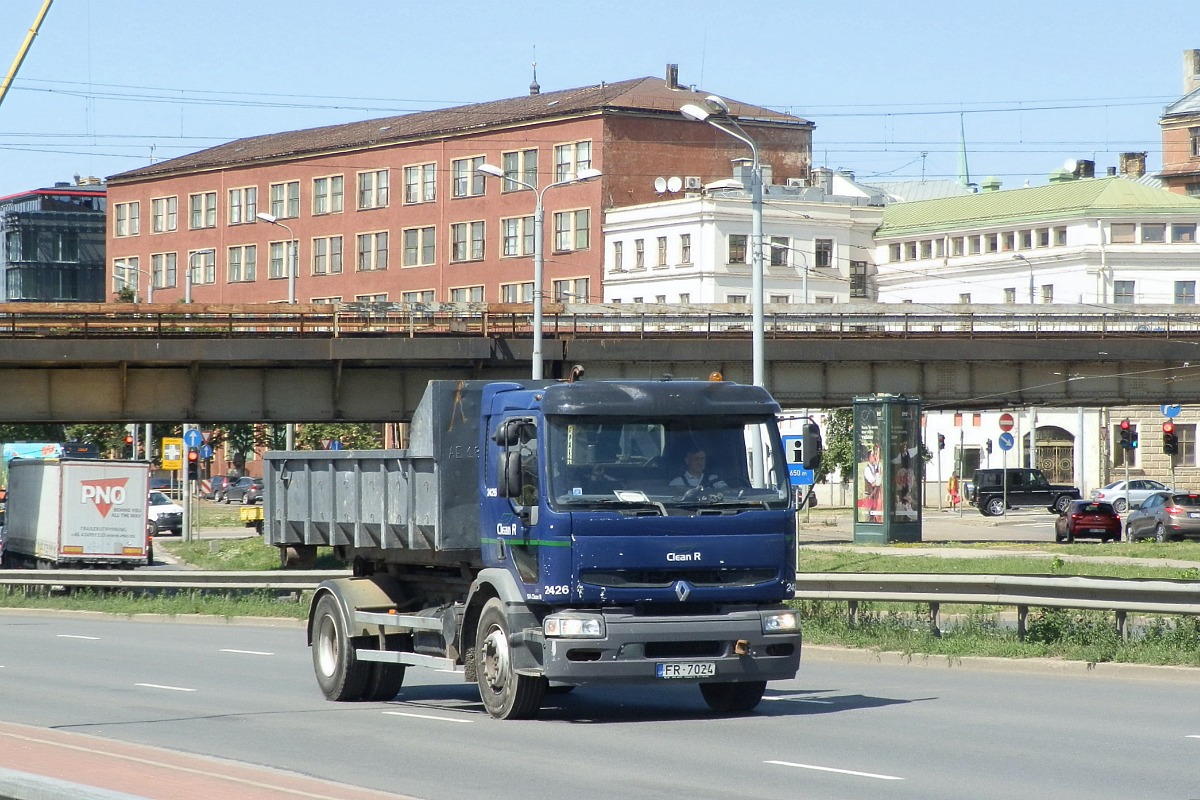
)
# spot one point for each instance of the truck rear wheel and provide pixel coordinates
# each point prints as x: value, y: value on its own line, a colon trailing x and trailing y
x: 506, y: 694
x: 733, y: 698
x: 341, y: 676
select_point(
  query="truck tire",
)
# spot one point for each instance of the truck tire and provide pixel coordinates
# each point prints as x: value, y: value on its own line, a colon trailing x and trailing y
x: 341, y: 676
x: 506, y: 694
x: 733, y: 698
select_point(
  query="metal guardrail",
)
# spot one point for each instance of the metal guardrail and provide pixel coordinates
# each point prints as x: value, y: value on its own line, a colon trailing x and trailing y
x: 1120, y: 595
x: 593, y: 320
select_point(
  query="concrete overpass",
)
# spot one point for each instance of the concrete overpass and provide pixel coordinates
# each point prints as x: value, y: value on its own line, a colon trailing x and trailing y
x: 312, y: 363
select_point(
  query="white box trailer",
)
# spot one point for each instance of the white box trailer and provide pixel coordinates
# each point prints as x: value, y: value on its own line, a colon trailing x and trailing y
x: 77, y: 513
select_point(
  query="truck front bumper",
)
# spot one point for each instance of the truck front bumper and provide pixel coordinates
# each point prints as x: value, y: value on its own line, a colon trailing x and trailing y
x: 634, y: 646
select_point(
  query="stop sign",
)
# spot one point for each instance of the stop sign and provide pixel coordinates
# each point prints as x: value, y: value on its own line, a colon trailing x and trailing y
x: 1006, y: 422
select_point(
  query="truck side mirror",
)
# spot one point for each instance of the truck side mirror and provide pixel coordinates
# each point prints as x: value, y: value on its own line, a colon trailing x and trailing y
x: 508, y: 481
x: 812, y: 446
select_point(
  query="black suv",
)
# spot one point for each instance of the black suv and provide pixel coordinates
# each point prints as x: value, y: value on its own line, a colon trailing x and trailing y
x: 1026, y: 487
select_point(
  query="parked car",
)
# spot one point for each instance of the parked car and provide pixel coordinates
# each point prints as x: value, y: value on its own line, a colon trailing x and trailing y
x: 1026, y: 487
x: 164, y: 514
x: 241, y: 489
x: 1164, y: 516
x: 215, y: 484
x: 1088, y: 519
x: 1139, y: 490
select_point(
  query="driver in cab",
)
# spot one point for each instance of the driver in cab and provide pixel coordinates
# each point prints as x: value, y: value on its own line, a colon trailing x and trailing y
x: 695, y: 479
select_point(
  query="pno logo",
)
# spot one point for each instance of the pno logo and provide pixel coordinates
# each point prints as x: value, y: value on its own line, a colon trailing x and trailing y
x: 104, y: 493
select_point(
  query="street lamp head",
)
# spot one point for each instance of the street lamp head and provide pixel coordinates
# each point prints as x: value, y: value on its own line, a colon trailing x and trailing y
x: 587, y: 174
x: 694, y: 112
x: 490, y: 169
x: 1020, y: 257
x: 716, y: 105
x: 265, y: 217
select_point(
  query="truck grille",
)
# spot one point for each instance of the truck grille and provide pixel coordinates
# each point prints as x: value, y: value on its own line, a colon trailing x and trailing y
x: 662, y: 579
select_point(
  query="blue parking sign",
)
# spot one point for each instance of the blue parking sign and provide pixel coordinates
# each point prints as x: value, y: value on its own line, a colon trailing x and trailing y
x: 793, y: 450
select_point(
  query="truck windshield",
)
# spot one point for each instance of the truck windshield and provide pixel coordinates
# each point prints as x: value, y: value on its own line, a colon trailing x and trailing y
x: 667, y: 463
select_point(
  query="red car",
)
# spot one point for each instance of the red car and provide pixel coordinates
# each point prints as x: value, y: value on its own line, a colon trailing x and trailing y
x: 1088, y: 519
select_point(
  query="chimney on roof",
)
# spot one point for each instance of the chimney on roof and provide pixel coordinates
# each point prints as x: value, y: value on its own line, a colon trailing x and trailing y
x: 1191, y: 71
x: 990, y: 184
x: 1085, y: 168
x: 1133, y: 165
x: 672, y: 76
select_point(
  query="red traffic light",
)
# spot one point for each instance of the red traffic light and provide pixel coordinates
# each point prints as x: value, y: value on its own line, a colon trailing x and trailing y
x: 1124, y: 424
x: 128, y: 439
x: 193, y: 455
x: 1168, y: 427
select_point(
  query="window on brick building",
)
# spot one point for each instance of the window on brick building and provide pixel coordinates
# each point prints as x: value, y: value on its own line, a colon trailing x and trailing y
x: 243, y: 205
x: 328, y: 195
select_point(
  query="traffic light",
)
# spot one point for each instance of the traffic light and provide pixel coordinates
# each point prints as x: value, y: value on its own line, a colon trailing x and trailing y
x: 1126, y: 435
x: 193, y: 464
x: 1170, y: 441
x: 989, y: 446
x: 941, y: 441
x: 129, y: 446
x: 1133, y: 440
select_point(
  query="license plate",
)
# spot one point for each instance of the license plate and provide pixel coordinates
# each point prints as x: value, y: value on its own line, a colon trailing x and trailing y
x: 1194, y: 514
x: 1097, y: 530
x: 687, y: 669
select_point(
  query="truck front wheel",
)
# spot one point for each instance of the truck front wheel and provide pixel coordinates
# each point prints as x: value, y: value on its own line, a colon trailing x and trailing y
x: 733, y: 698
x: 339, y: 673
x: 506, y: 694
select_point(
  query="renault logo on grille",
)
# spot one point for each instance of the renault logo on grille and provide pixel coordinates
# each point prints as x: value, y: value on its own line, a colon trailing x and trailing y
x: 682, y: 590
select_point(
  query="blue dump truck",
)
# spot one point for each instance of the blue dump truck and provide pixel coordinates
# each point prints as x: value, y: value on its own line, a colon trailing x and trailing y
x: 542, y: 536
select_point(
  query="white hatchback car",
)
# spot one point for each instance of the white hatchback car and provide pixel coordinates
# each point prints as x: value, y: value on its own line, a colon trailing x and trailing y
x: 1139, y: 490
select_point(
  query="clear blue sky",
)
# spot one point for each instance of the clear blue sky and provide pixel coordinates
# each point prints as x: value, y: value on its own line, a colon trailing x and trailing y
x: 110, y: 83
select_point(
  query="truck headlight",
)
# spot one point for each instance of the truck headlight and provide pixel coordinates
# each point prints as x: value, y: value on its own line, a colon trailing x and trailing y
x: 780, y: 622
x: 574, y: 627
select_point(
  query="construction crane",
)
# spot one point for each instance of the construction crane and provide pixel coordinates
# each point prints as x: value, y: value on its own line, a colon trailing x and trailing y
x: 16, y: 65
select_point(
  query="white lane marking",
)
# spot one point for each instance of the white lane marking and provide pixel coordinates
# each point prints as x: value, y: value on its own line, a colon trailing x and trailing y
x: 425, y: 716
x: 166, y: 688
x: 247, y: 652
x: 72, y: 636
x: 1192, y: 736
x: 839, y: 771
x: 795, y: 699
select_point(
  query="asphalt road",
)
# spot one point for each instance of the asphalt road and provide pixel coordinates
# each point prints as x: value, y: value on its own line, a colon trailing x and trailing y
x: 849, y: 726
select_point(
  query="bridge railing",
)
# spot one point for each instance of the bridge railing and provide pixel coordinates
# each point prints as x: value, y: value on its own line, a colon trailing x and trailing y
x: 82, y: 320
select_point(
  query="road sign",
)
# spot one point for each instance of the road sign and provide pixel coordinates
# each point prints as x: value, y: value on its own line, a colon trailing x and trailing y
x: 172, y: 453
x: 1171, y: 411
x: 206, y: 452
x: 793, y: 449
x: 1006, y: 441
x: 335, y: 444
x: 1006, y: 422
x: 193, y: 438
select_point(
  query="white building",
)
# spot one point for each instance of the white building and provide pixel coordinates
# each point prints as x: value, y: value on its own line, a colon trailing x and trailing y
x: 817, y: 247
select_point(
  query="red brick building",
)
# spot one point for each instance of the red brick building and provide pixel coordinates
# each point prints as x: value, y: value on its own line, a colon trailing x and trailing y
x: 1180, y: 125
x: 394, y: 209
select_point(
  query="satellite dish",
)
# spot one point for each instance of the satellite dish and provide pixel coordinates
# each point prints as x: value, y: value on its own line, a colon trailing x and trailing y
x: 1070, y: 164
x: 660, y: 185
x: 674, y: 184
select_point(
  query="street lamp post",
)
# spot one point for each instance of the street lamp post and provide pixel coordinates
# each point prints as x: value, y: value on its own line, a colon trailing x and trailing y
x: 1029, y: 264
x: 715, y: 111
x: 188, y: 275
x: 293, y: 245
x: 539, y: 224
x: 127, y: 268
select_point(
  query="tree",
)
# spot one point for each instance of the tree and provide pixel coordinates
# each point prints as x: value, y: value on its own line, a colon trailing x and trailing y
x: 32, y: 433
x: 838, y: 436
x: 315, y: 436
